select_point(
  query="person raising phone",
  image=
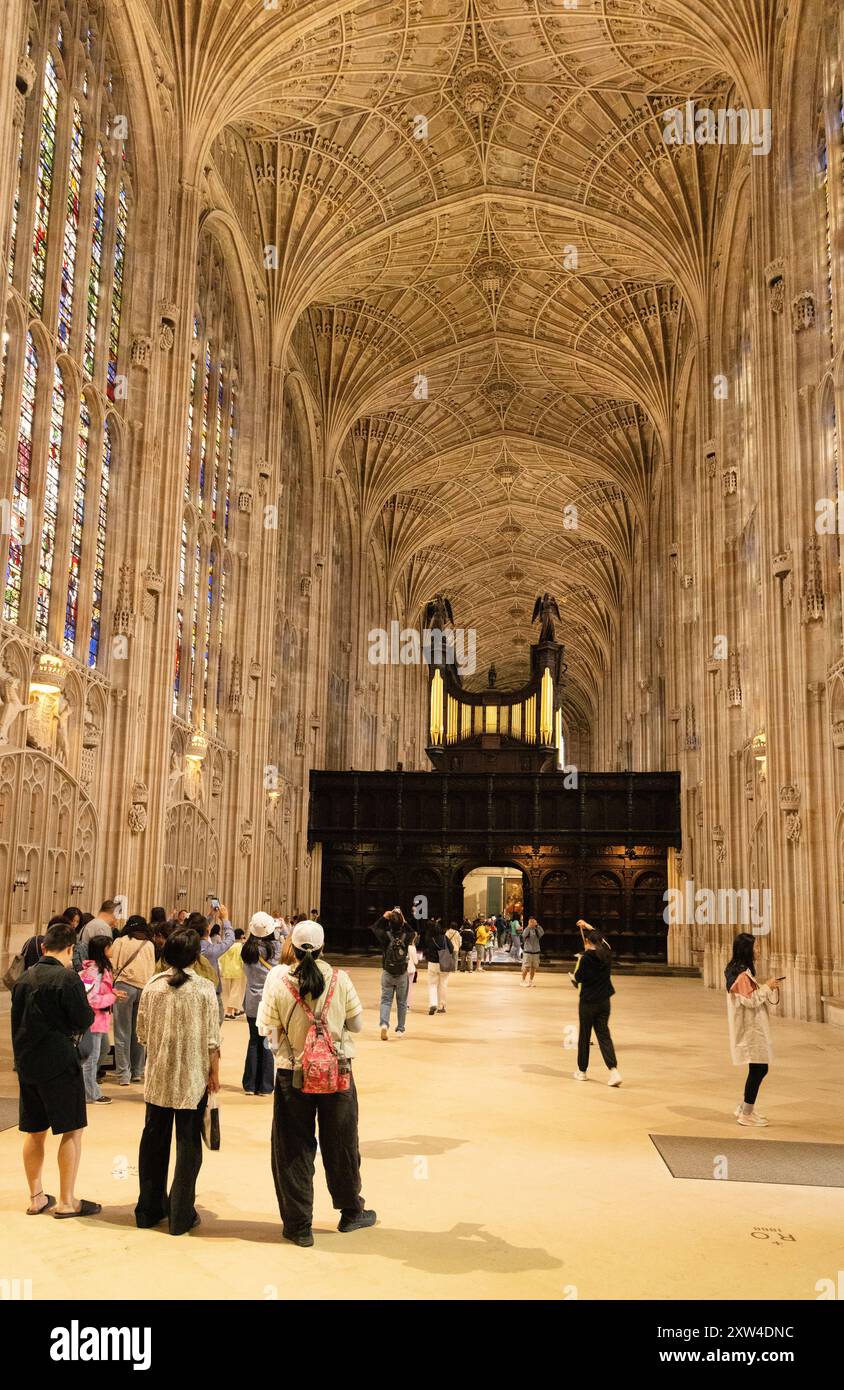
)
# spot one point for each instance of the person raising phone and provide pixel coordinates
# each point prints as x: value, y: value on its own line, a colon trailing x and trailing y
x: 591, y: 976
x: 747, y: 1020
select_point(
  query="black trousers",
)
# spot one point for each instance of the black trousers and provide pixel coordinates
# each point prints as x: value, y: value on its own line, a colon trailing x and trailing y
x: 154, y: 1161
x: 595, y: 1016
x: 756, y: 1073
x: 294, y: 1149
x: 259, y: 1066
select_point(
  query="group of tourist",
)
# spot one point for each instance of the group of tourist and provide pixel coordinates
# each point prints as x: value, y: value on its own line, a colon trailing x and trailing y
x: 163, y: 980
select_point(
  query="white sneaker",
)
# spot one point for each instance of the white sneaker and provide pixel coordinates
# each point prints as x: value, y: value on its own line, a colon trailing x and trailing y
x: 751, y: 1120
x: 614, y: 1078
x: 385, y: 1032
x: 579, y: 1075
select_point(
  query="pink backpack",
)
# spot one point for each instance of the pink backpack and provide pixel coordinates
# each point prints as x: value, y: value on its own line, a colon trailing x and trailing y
x: 324, y: 1072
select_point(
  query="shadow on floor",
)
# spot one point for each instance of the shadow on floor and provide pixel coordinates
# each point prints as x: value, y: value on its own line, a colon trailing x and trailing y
x: 409, y: 1147
x: 465, y: 1249
x: 536, y: 1070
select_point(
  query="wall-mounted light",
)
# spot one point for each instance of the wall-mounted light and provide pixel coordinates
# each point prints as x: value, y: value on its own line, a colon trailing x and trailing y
x: 21, y: 880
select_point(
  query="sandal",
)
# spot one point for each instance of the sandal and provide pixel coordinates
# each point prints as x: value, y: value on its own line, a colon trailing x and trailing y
x: 48, y: 1205
x: 86, y: 1208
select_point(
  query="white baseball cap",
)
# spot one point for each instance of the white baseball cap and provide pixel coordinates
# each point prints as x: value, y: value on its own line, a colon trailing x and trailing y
x: 261, y: 924
x: 309, y: 934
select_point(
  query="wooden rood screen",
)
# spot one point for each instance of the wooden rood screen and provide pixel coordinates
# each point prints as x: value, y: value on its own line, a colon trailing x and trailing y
x: 596, y: 851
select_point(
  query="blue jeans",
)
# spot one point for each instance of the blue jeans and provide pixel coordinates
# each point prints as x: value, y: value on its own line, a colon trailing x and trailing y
x: 394, y: 985
x: 90, y: 1047
x: 129, y: 1055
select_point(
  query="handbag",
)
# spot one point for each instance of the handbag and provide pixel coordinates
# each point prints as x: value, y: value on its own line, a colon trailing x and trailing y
x: 14, y: 972
x: 211, y: 1122
x: 446, y: 958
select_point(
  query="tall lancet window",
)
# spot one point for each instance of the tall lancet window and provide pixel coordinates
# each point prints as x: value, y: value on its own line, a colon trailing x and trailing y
x: 210, y: 464
x: 68, y: 257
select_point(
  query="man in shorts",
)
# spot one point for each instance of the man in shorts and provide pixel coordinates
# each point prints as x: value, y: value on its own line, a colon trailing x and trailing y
x: 49, y: 1011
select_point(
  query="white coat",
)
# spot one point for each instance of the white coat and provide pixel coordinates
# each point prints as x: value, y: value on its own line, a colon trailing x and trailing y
x: 747, y: 1020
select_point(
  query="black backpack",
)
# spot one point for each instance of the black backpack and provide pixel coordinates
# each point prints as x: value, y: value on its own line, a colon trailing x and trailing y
x: 395, y: 956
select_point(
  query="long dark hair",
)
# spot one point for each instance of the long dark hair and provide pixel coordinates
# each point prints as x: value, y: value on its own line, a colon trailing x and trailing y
x: 741, y: 959
x: 97, y: 952
x: 309, y: 977
x: 181, y: 949
x: 254, y: 947
x: 602, y: 947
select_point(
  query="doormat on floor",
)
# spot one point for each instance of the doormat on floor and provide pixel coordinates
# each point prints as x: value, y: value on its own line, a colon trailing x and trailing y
x: 8, y: 1114
x: 752, y: 1160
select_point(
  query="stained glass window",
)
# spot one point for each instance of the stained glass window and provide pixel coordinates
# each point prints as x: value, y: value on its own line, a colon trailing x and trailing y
x: 194, y: 374
x: 50, y: 516
x: 44, y: 183
x: 100, y: 550
x: 17, y: 521
x: 218, y: 443
x: 76, y: 529
x: 117, y: 292
x: 194, y: 633
x: 231, y: 448
x: 206, y: 650
x: 16, y: 207
x: 220, y: 614
x: 203, y: 451
x: 71, y: 227
x: 95, y: 276
x: 4, y: 367
x: 180, y: 616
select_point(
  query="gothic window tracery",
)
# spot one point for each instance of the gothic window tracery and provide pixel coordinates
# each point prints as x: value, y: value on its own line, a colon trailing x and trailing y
x: 64, y: 347
x: 211, y: 434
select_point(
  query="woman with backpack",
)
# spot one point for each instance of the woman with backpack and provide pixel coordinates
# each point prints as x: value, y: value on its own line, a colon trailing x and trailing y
x: 747, y: 1019
x: 98, y: 980
x: 133, y: 962
x: 393, y: 936
x: 308, y: 1012
x: 591, y: 977
x: 439, y: 953
x: 259, y: 953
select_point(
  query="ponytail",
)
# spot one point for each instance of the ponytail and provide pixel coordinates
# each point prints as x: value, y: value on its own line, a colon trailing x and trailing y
x: 181, y: 949
x: 309, y: 977
x: 602, y: 947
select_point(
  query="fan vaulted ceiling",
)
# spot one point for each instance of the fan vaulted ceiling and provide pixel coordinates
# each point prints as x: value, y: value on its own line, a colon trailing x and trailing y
x: 497, y: 262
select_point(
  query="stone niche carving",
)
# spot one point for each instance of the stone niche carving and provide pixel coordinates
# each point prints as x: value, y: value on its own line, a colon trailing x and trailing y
x: 49, y: 711
x: 26, y: 75
x: 244, y: 501
x: 305, y: 583
x: 814, y: 599
x: 710, y: 458
x: 138, y: 809
x: 803, y: 312
x: 789, y: 797
x: 245, y: 843
x: 167, y: 327
x: 13, y: 706
x: 838, y: 734
x: 142, y: 352
x: 776, y: 286
x: 729, y: 482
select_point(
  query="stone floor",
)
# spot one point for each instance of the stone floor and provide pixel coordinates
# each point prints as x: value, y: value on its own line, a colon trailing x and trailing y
x: 494, y: 1173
